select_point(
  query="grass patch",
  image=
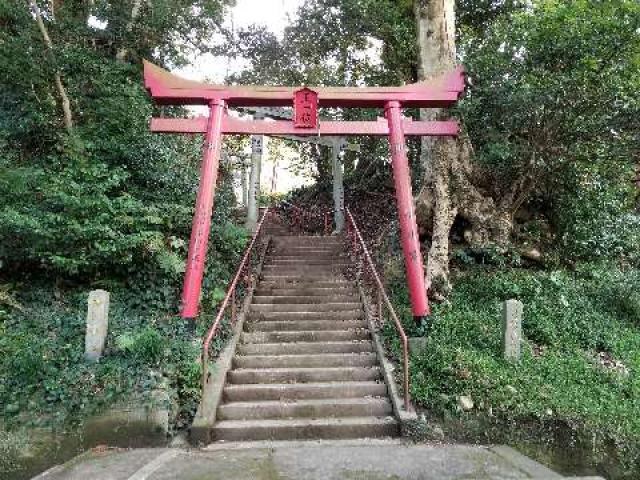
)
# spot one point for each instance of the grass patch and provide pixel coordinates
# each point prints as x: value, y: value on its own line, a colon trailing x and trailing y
x: 581, y: 354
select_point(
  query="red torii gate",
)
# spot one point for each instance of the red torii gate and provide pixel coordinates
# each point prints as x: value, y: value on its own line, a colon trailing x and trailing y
x: 169, y: 89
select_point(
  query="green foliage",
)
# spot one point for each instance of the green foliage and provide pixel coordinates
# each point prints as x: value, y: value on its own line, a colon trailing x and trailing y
x: 106, y: 205
x: 553, y: 109
x: 571, y: 321
x: 110, y: 198
x: 145, y: 346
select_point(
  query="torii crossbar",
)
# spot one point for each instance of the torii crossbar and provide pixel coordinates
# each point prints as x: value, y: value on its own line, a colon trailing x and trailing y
x: 169, y: 89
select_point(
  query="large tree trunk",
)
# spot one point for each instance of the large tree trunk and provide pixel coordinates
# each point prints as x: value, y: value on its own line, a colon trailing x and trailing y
x: 448, y: 190
x: 64, y: 98
x: 122, y: 53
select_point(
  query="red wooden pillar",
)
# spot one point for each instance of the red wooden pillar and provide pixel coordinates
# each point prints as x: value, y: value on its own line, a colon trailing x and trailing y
x: 406, y: 213
x: 204, y: 209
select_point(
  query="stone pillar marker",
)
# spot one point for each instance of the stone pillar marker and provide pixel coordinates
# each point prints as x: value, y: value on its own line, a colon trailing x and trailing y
x: 511, y: 329
x: 338, y: 185
x: 245, y: 184
x: 97, y: 324
x: 258, y: 144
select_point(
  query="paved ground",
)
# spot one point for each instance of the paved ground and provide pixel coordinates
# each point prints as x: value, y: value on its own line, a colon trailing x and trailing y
x: 374, y: 460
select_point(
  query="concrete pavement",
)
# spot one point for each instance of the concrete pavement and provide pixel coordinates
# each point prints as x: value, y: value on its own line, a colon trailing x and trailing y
x: 314, y: 460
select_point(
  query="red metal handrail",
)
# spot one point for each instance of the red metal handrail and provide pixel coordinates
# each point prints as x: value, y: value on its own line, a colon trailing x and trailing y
x: 230, y: 297
x: 357, y: 241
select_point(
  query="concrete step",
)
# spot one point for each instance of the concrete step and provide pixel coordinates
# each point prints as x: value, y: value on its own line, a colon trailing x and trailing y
x: 295, y: 391
x: 313, y: 408
x: 273, y: 261
x: 297, y: 429
x: 308, y: 264
x: 305, y: 291
x: 302, y: 299
x: 307, y: 283
x: 302, y: 252
x: 302, y: 269
x: 306, y: 307
x: 302, y: 316
x: 278, y: 244
x: 309, y: 241
x: 304, y: 277
x: 329, y: 256
x: 320, y: 240
x: 315, y: 253
x: 279, y: 323
x: 303, y: 375
x: 302, y: 348
x: 306, y: 336
x: 306, y: 361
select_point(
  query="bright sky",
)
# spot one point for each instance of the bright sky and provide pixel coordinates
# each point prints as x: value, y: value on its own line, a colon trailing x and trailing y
x: 273, y: 14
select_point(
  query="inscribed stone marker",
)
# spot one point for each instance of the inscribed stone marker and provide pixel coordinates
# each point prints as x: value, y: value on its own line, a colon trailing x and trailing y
x: 97, y: 324
x: 512, y: 329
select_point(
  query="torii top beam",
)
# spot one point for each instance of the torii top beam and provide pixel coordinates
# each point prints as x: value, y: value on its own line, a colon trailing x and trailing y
x: 169, y: 89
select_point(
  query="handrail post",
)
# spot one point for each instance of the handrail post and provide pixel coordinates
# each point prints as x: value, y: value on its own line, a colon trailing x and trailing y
x: 233, y: 307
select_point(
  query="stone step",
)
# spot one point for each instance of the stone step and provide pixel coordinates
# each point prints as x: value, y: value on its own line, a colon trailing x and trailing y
x: 307, y: 283
x: 303, y: 375
x: 306, y: 336
x: 278, y: 323
x: 293, y: 317
x: 273, y: 261
x: 305, y: 291
x: 307, y: 307
x: 306, y: 361
x: 301, y: 268
x: 302, y: 252
x: 278, y: 245
x: 302, y: 391
x: 302, y: 348
x: 309, y: 240
x: 306, y: 253
x: 313, y: 408
x: 298, y: 429
x: 302, y: 299
x: 309, y: 264
x: 330, y: 256
x: 303, y: 276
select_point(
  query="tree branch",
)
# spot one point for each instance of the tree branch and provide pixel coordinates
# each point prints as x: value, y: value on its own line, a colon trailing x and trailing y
x: 64, y: 98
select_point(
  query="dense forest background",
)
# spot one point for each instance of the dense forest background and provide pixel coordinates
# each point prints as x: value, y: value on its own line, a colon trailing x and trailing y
x: 538, y: 201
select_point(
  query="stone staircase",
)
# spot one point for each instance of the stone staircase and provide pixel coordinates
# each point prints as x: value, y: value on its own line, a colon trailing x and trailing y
x: 305, y: 366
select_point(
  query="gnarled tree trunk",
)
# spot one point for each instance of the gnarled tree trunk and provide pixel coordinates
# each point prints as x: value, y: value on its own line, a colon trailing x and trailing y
x: 448, y: 189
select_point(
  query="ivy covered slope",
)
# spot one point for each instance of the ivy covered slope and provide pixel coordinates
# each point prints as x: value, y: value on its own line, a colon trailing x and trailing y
x: 45, y: 379
x: 579, y: 361
x: 90, y: 199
